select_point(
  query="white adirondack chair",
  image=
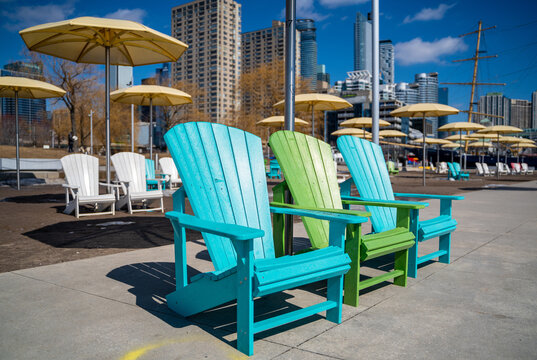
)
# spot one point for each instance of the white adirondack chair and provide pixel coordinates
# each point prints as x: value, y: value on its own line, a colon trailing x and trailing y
x: 82, y: 176
x: 130, y: 173
x: 442, y: 168
x: 501, y: 169
x: 480, y: 170
x: 168, y: 167
x: 526, y: 169
x: 487, y: 171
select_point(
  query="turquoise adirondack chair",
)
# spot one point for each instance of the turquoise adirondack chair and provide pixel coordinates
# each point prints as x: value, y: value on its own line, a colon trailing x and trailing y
x: 310, y: 176
x: 224, y: 178
x: 368, y: 170
x: 151, y: 181
x: 456, y: 173
x: 274, y: 170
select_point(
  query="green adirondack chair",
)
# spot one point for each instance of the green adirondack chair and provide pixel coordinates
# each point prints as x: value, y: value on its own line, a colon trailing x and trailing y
x: 368, y: 170
x: 224, y: 178
x: 310, y: 176
x: 391, y: 168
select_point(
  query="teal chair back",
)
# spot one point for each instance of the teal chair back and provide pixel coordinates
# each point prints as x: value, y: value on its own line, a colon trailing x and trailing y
x: 214, y: 161
x: 370, y: 175
x: 149, y: 169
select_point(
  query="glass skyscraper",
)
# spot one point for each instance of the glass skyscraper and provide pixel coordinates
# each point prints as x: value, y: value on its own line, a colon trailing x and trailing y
x: 308, y: 50
x: 362, y: 43
x: 386, y: 57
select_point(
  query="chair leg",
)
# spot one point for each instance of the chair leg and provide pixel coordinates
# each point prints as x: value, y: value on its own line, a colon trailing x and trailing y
x: 445, y: 244
x: 113, y: 206
x: 129, y: 204
x: 334, y: 292
x: 352, y: 277
x: 413, y: 261
x: 245, y: 299
x: 401, y: 263
x: 162, y: 205
x: 77, y: 208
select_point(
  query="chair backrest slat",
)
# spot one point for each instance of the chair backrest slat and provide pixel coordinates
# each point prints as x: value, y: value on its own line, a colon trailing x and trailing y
x: 130, y: 167
x: 149, y: 169
x: 168, y: 167
x: 83, y: 171
x: 309, y: 169
x: 223, y: 173
x: 370, y: 175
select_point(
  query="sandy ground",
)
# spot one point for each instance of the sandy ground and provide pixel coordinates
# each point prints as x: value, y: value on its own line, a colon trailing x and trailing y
x: 35, y: 232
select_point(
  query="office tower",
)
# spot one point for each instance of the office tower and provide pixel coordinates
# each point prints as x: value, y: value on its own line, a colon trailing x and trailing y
x: 520, y: 113
x: 120, y: 77
x: 362, y: 43
x: 443, y: 99
x: 308, y: 50
x: 265, y: 46
x: 32, y: 112
x: 427, y: 93
x: 534, y: 110
x: 407, y: 93
x: 323, y: 79
x: 386, y: 57
x: 494, y: 104
x: 211, y: 28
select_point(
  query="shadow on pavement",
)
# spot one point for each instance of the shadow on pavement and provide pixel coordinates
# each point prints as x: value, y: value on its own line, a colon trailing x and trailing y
x: 37, y: 199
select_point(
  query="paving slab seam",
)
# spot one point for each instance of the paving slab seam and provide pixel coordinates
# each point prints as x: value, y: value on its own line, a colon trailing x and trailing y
x: 304, y: 350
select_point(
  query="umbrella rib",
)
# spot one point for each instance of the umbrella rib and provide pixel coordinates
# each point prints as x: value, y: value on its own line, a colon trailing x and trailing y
x: 125, y: 52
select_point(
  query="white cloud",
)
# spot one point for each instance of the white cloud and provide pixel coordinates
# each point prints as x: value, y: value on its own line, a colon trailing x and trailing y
x: 338, y: 3
x: 427, y: 14
x: 128, y: 14
x: 417, y: 51
x: 21, y: 17
x: 305, y: 9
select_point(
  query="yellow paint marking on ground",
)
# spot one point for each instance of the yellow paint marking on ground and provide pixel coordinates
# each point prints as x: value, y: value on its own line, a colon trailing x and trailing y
x: 229, y: 353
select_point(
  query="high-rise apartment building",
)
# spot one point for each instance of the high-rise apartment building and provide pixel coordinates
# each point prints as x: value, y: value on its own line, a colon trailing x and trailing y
x: 362, y: 43
x: 427, y: 93
x: 494, y: 104
x: 387, y: 61
x: 211, y: 28
x: 534, y: 110
x: 265, y: 46
x: 308, y: 50
x: 520, y: 114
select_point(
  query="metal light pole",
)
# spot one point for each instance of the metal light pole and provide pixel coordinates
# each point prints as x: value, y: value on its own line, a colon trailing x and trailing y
x: 91, y: 131
x: 107, y: 114
x: 132, y: 127
x: 375, y: 87
x: 290, y: 44
x: 17, y: 139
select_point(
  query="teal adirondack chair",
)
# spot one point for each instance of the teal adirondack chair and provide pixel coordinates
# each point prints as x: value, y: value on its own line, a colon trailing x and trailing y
x: 274, y: 170
x: 368, y: 170
x: 151, y: 181
x: 456, y: 173
x: 224, y: 178
x: 310, y: 176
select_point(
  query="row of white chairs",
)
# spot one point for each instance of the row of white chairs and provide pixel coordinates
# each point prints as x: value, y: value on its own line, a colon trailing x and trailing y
x: 129, y: 189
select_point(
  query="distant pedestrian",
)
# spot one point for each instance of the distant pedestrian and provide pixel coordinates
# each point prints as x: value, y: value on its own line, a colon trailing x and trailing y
x: 71, y: 142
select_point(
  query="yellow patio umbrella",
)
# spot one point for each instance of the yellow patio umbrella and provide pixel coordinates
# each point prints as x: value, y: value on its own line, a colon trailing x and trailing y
x: 510, y: 139
x: 351, y: 131
x: 19, y: 87
x: 477, y: 135
x: 150, y: 95
x: 521, y: 146
x: 424, y: 110
x: 460, y: 138
x: 498, y: 130
x: 461, y: 126
x: 312, y: 102
x: 392, y: 133
x: 434, y: 141
x: 93, y: 40
x: 363, y: 122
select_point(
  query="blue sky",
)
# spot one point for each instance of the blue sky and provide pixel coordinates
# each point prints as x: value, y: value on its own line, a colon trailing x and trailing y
x: 425, y: 34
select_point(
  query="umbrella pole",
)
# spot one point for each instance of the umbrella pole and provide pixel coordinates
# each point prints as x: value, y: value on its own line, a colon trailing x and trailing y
x: 132, y: 127
x: 424, y: 154
x: 107, y: 115
x: 17, y: 139
x: 151, y: 128
x: 312, y: 121
x: 498, y: 158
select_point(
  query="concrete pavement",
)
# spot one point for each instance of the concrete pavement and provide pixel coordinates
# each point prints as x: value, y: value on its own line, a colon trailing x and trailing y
x: 481, y: 306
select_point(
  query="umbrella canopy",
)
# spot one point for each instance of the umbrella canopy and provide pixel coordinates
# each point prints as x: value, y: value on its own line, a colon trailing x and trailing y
x: 477, y: 135
x: 500, y: 129
x: 392, y: 133
x: 150, y: 95
x: 509, y: 139
x: 94, y: 40
x: 524, y: 145
x: 351, y: 131
x: 451, y: 146
x: 279, y: 121
x: 461, y: 126
x: 18, y: 87
x: 458, y: 138
x: 479, y: 144
x: 363, y: 122
x: 319, y: 102
x: 432, y: 141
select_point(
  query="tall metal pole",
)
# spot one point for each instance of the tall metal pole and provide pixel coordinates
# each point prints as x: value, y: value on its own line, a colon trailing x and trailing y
x: 290, y: 44
x: 375, y: 67
x: 325, y: 128
x: 424, y: 149
x: 132, y: 127
x: 151, y: 128
x: 17, y: 139
x: 107, y: 115
x: 290, y: 49
x: 91, y: 131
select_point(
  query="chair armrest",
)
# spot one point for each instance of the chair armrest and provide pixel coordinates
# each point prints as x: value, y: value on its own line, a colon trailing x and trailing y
x: 72, y: 187
x: 159, y: 180
x: 429, y: 196
x: 334, y: 211
x: 109, y: 185
x: 232, y: 231
x: 351, y: 200
x: 279, y: 208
